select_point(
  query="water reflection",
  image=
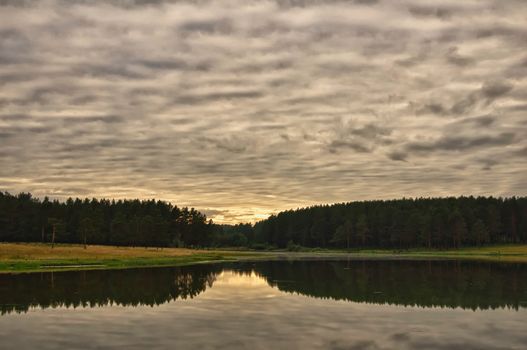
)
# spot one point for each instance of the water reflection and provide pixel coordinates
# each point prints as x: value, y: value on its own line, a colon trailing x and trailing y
x: 132, y: 287
x: 468, y: 285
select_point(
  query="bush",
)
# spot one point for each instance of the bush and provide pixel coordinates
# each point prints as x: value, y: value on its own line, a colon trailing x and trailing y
x: 292, y: 247
x: 259, y: 246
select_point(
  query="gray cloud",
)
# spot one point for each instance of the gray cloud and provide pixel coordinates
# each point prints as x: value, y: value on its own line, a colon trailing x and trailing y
x: 487, y: 94
x: 492, y: 91
x: 460, y: 143
x: 432, y: 11
x: 455, y: 58
x: 398, y: 155
x: 244, y: 108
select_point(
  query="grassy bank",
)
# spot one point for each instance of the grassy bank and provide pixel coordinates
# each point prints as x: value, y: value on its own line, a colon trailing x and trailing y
x: 26, y: 257
x: 500, y: 253
x: 497, y: 253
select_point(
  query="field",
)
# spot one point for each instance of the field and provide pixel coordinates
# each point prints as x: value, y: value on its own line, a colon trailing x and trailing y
x: 26, y: 257
x: 41, y: 257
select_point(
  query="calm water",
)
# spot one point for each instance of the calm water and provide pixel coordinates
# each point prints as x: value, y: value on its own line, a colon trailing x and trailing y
x: 271, y: 305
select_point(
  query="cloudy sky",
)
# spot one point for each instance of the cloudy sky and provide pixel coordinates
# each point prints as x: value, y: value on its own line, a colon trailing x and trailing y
x: 244, y: 108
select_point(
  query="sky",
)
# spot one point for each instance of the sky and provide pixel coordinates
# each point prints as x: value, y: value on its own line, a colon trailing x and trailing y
x: 244, y: 108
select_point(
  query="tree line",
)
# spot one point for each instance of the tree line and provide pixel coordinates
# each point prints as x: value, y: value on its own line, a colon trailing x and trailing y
x: 24, y: 218
x: 404, y: 223
x: 396, y: 224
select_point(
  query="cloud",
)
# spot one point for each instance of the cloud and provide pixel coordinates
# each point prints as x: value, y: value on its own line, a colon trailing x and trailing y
x: 398, y: 156
x: 488, y: 93
x: 421, y: 11
x: 245, y: 108
x: 457, y: 59
x: 492, y: 91
x: 460, y: 143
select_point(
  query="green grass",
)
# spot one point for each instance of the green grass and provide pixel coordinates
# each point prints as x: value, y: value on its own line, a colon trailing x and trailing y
x: 498, y: 253
x: 80, y: 264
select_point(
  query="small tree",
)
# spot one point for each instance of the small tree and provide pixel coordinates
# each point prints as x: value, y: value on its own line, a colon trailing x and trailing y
x: 86, y: 229
x: 57, y: 228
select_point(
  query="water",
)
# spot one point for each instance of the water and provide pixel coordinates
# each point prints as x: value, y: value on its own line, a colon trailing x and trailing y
x: 270, y: 305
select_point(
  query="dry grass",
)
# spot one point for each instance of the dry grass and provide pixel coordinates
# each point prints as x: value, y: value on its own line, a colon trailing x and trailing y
x: 35, y: 251
x: 28, y: 257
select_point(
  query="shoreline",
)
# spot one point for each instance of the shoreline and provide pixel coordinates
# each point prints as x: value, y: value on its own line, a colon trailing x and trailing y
x: 37, y: 257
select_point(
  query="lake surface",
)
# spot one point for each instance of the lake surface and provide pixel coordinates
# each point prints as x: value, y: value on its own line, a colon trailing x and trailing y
x: 306, y: 304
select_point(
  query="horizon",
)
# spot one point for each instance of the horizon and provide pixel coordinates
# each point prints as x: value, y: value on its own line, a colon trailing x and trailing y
x: 247, y: 108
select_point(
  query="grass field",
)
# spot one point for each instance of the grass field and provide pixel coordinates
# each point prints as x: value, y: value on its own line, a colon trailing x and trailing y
x: 41, y: 257
x: 26, y: 257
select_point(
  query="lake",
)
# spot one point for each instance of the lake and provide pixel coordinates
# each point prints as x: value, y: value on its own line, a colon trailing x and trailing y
x: 298, y: 304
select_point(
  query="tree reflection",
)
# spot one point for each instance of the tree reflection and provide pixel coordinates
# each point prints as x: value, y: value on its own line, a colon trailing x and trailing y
x: 464, y: 284
x: 153, y: 286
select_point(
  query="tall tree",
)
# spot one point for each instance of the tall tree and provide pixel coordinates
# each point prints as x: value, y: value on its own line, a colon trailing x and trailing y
x: 362, y: 229
x: 479, y: 233
x: 344, y: 233
x: 87, y: 229
x: 458, y: 229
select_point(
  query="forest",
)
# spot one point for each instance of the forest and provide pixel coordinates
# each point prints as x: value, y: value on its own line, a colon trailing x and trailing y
x: 152, y: 223
x: 394, y: 224
x: 403, y: 223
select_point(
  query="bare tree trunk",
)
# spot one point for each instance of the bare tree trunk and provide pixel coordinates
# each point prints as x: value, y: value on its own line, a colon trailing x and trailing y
x: 42, y: 231
x: 53, y: 236
x: 85, y: 240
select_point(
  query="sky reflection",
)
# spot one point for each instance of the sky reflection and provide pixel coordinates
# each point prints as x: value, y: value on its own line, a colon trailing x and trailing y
x: 243, y: 311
